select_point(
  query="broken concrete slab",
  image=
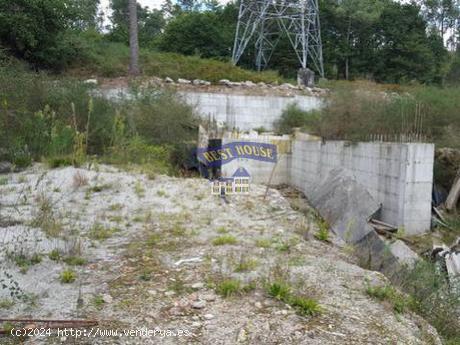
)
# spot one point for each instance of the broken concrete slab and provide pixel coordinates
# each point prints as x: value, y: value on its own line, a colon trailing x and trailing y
x: 390, y: 258
x: 345, y: 204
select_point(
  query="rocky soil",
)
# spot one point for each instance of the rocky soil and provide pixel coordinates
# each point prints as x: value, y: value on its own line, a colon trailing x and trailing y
x: 164, y: 253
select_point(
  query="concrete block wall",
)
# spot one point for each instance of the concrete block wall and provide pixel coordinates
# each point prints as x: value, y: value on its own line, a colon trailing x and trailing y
x: 397, y: 175
x: 246, y: 112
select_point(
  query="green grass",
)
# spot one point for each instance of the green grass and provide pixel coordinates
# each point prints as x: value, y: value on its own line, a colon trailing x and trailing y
x: 6, y: 303
x: 224, y: 239
x: 388, y: 293
x: 4, y: 181
x: 263, y: 243
x: 109, y: 59
x: 67, y: 276
x: 246, y: 265
x: 54, y: 255
x: 23, y: 261
x: 100, y: 232
x: 75, y: 261
x: 98, y: 301
x: 229, y: 287
x: 323, y: 233
x: 303, y: 305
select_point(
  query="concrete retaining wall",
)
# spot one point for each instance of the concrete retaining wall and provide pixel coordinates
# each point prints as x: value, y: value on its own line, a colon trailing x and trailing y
x: 397, y: 175
x: 246, y: 112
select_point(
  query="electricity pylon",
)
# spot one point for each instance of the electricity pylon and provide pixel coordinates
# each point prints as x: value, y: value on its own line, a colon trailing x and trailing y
x: 263, y: 22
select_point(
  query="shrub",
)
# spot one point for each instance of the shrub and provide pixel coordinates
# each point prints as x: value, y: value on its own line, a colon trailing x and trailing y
x: 223, y: 240
x: 293, y: 117
x: 433, y: 297
x: 67, y: 276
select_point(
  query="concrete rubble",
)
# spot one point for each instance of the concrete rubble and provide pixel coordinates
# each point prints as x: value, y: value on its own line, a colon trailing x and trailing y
x: 347, y: 207
x: 449, y: 259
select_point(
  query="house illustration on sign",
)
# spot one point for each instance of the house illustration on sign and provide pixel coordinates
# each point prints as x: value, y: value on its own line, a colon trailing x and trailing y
x: 237, y: 184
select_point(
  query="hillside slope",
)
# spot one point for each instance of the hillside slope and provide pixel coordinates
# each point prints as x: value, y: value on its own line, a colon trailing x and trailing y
x: 166, y: 254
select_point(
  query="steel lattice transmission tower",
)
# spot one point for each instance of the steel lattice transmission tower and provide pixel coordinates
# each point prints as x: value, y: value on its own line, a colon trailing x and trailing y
x: 263, y: 22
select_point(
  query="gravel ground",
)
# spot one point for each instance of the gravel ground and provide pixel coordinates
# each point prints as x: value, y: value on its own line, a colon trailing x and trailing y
x: 158, y: 254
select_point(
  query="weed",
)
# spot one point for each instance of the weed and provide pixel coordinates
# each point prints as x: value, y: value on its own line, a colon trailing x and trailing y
x: 75, y: 261
x: 139, y: 189
x: 23, y: 261
x: 100, y: 232
x: 45, y: 218
x: 389, y: 294
x: 100, y: 188
x: 6, y: 303
x: 79, y: 180
x: 224, y: 239
x: 279, y: 290
x: 145, y: 275
x: 229, y: 287
x: 115, y: 207
x: 67, y: 276
x: 323, y: 233
x: 161, y: 193
x: 153, y: 239
x: 98, y: 301
x: 4, y: 181
x: 178, y: 230
x: 222, y: 230
x: 246, y: 265
x: 54, y: 255
x: 304, y: 306
x: 263, y: 243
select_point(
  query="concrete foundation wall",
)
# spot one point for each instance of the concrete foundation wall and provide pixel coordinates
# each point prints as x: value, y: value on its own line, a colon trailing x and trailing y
x: 246, y: 112
x: 397, y: 175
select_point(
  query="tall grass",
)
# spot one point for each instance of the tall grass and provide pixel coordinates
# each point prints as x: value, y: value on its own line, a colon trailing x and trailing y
x: 60, y: 121
x: 355, y: 110
x: 110, y: 59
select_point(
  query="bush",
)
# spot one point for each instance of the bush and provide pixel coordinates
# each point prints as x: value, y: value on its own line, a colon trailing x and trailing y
x: 294, y: 117
x: 433, y: 298
x: 356, y: 110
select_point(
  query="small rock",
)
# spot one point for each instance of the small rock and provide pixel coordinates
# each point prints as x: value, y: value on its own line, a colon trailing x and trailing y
x: 197, y: 286
x: 242, y: 336
x: 196, y: 324
x: 198, y: 304
x: 183, y: 81
x: 287, y: 86
x: 63, y: 339
x: 91, y: 81
x: 152, y: 292
x: 208, y: 316
x: 248, y: 83
x: 258, y: 305
x: 169, y: 80
x: 235, y: 83
x: 209, y: 297
x: 225, y: 82
x: 196, y: 82
x: 107, y: 298
x: 170, y: 293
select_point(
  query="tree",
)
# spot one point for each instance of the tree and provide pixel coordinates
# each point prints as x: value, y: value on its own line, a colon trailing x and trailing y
x: 404, y: 52
x: 133, y: 39
x: 39, y: 31
x: 150, y: 23
x: 201, y: 33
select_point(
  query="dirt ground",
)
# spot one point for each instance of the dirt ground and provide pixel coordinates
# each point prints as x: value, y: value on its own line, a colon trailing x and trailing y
x: 134, y: 252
